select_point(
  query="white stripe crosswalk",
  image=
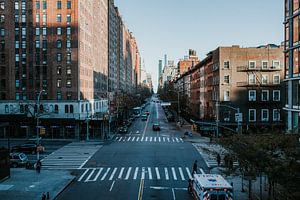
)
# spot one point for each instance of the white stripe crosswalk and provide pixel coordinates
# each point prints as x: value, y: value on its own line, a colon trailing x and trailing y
x: 153, y: 139
x: 71, y: 156
x: 136, y: 173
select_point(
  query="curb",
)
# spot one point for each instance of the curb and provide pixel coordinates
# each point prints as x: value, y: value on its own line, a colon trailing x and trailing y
x: 64, y: 188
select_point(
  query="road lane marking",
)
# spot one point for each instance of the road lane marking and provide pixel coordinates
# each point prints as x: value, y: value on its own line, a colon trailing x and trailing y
x: 128, y: 139
x: 104, y: 175
x: 142, y: 139
x: 177, y: 140
x: 136, y: 173
x: 174, y: 198
x: 146, y: 139
x: 97, y: 175
x: 201, y: 170
x: 181, y: 174
x: 146, y: 126
x: 159, y: 139
x: 164, y: 139
x: 150, y: 173
x: 128, y: 173
x: 157, y: 173
x: 121, y: 173
x: 113, y: 173
x: 150, y: 139
x: 81, y: 177
x: 174, y: 173
x: 143, y: 173
x: 166, y: 174
x: 133, y: 138
x: 90, y: 175
x: 181, y: 139
x: 188, y: 172
x: 141, y: 189
x: 137, y: 139
x: 112, y: 185
x: 120, y: 139
x: 154, y: 139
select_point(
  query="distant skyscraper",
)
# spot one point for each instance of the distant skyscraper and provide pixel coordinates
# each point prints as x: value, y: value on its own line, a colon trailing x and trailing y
x: 159, y: 68
x: 166, y: 60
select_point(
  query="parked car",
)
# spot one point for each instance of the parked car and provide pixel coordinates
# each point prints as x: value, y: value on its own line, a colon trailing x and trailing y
x: 123, y: 129
x: 18, y: 159
x: 156, y: 127
x: 147, y: 112
x: 28, y: 148
x: 144, y: 117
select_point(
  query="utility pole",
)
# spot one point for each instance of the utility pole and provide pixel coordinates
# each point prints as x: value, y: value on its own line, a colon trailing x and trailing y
x: 178, y: 106
x: 217, y: 119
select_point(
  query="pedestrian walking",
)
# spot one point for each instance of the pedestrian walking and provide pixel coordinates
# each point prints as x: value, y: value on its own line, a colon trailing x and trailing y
x: 226, y: 160
x: 190, y: 185
x: 43, y: 196
x: 218, y: 159
x: 38, y: 166
x: 195, y: 166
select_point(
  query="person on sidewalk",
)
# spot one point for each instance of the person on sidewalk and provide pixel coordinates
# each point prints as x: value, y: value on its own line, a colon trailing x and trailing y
x: 218, y: 159
x: 43, y: 196
x: 195, y: 166
x: 38, y: 166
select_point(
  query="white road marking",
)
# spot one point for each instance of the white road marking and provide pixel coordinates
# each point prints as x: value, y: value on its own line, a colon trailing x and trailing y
x: 113, y: 173
x: 201, y: 170
x: 135, y: 173
x: 168, y: 139
x: 181, y: 174
x: 166, y: 174
x: 128, y: 173
x: 120, y: 139
x: 150, y: 173
x: 128, y: 139
x: 146, y: 139
x: 173, y: 139
x: 81, y: 177
x: 177, y: 140
x: 142, y: 139
x: 121, y: 173
x: 116, y: 138
x: 159, y: 139
x: 154, y: 139
x: 132, y: 139
x: 181, y: 139
x: 143, y: 173
x: 164, y: 139
x: 150, y: 139
x: 112, y: 185
x: 137, y: 139
x: 97, y: 175
x: 157, y: 173
x: 174, y: 173
x: 91, y: 174
x: 124, y: 139
x: 188, y: 172
x: 104, y: 175
x: 173, y: 194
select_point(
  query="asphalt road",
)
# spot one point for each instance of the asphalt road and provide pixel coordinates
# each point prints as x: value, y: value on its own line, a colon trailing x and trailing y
x: 142, y: 164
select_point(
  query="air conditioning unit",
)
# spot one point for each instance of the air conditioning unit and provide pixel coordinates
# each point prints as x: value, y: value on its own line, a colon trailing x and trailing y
x: 226, y: 119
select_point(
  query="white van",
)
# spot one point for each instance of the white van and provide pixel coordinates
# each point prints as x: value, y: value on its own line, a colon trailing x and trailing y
x: 211, y: 187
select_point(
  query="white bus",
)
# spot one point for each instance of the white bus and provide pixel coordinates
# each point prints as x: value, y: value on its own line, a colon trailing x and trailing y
x: 211, y: 187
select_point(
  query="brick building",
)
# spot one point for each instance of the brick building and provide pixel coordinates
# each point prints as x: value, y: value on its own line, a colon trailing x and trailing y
x: 188, y: 62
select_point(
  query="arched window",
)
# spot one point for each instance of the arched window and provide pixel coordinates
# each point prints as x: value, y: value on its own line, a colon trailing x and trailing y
x: 51, y: 108
x: 6, y: 109
x: 56, y: 108
x: 71, y: 109
x: 82, y: 109
x: 66, y: 108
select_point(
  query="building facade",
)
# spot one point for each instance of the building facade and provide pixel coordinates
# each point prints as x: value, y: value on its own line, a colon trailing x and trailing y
x: 188, y: 62
x: 292, y: 66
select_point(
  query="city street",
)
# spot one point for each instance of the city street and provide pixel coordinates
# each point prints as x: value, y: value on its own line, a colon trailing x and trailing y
x: 142, y: 164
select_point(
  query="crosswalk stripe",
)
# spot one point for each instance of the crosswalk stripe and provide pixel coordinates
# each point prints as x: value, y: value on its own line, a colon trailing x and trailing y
x: 173, y: 139
x: 201, y: 170
x: 97, y: 175
x: 150, y: 139
x: 146, y: 139
x: 103, y: 177
x: 166, y: 174
x: 188, y: 172
x: 113, y: 173
x: 164, y: 139
x: 128, y: 138
x: 159, y: 139
x: 157, y: 173
x: 137, y: 139
x: 121, y: 173
x: 132, y: 139
x: 116, y: 138
x: 135, y: 173
x: 81, y: 177
x: 177, y: 140
x: 181, y: 139
x: 142, y: 139
x: 91, y: 174
x: 128, y: 173
x: 143, y: 173
x: 174, y: 173
x: 150, y: 173
x: 181, y: 174
x: 154, y: 139
x: 124, y: 139
x: 120, y: 139
x: 168, y: 139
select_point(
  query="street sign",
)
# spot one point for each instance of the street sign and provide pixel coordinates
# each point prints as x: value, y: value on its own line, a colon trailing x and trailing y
x: 239, y: 117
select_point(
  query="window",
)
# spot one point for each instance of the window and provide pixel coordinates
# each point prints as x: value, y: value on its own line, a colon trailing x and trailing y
x: 252, y: 95
x: 69, y: 83
x: 68, y: 43
x: 23, y: 32
x: 71, y: 106
x: 68, y: 30
x: 226, y: 64
x: 276, y: 64
x: 37, y: 18
x: 44, y: 31
x: 23, y: 18
x: 44, y: 57
x: 226, y: 96
x: 68, y: 58
x: 2, y: 18
x: 17, y: 83
x: 17, y: 5
x: 276, y: 95
x: 44, y: 44
x: 2, y: 5
x: 44, y: 5
x: 276, y: 79
x: 264, y: 64
x: 252, y: 79
x: 2, y: 32
x: 252, y: 115
x: 264, y: 115
x: 37, y: 31
x: 37, y: 44
x: 58, y: 70
x: 58, y: 5
x: 56, y: 108
x: 264, y: 79
x: 276, y: 115
x: 226, y: 79
x: 58, y: 57
x: 252, y: 64
x: 58, y: 84
x: 58, y: 30
x: 37, y: 5
x: 68, y: 18
x: 17, y: 44
x: 17, y: 96
x: 59, y: 96
x: 23, y: 44
x: 44, y: 18
x: 17, y: 18
x: 265, y: 95
x: 69, y: 71
x: 58, y: 18
x: 23, y: 5
x: 17, y: 57
x: 66, y: 108
x: 58, y: 44
x: 68, y: 4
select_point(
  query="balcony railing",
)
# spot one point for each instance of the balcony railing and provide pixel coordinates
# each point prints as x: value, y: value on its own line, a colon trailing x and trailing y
x: 247, y: 69
x: 256, y: 84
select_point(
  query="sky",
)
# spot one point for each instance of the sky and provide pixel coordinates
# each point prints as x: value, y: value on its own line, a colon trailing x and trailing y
x: 173, y: 26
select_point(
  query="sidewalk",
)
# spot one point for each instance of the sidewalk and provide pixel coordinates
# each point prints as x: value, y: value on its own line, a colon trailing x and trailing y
x: 27, y: 184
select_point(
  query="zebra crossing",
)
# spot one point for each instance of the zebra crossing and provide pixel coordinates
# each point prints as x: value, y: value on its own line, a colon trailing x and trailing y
x: 71, y: 156
x: 153, y: 139
x: 136, y: 173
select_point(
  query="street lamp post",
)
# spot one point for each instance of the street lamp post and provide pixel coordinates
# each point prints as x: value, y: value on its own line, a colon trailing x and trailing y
x: 37, y: 123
